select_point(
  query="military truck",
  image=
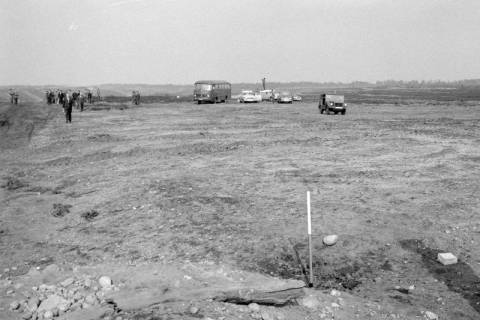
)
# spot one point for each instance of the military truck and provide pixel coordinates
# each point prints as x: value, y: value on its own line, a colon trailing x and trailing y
x: 332, y: 103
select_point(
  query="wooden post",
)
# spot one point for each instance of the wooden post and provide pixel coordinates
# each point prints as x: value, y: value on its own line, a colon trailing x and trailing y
x: 309, y: 225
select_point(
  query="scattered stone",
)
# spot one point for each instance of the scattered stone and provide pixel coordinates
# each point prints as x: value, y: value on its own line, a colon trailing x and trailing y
x: 193, y: 310
x: 402, y: 290
x: 266, y: 315
x: 67, y: 282
x: 105, y: 282
x: 335, y: 293
x: 335, y: 305
x: 430, y: 315
x: 64, y: 307
x: 9, y: 292
x: 280, y: 316
x: 91, y: 299
x: 88, y: 283
x: 447, y: 258
x: 14, y: 305
x: 52, y: 302
x: 51, y: 268
x: 330, y: 240
x: 256, y: 315
x: 32, y: 304
x: 27, y: 315
x: 310, y: 302
x: 254, y: 307
x: 48, y: 314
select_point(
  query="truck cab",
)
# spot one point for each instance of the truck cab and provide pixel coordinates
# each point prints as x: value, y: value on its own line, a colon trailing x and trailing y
x: 332, y: 103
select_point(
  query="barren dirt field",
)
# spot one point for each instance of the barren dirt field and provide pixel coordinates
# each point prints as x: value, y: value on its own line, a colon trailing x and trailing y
x: 183, y: 196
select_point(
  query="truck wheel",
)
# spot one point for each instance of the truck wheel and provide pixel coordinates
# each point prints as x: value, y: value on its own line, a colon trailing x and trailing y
x: 343, y: 112
x: 321, y: 111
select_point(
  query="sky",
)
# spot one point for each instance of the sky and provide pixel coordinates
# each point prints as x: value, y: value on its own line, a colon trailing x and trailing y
x: 87, y: 42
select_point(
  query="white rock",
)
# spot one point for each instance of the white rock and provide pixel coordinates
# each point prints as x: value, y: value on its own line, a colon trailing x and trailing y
x: 52, y: 302
x: 14, y: 305
x: 63, y: 307
x: 66, y: 282
x: 91, y: 299
x: 267, y: 315
x: 335, y: 305
x: 32, y: 304
x: 254, y: 307
x: 193, y: 310
x: 330, y: 240
x: 430, y: 315
x: 310, y: 302
x: 48, y: 315
x: 105, y: 282
x: 335, y: 293
x: 446, y: 258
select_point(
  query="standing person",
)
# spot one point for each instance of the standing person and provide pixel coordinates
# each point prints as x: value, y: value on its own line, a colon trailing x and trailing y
x: 89, y: 96
x: 15, y: 97
x: 11, y: 92
x: 81, y: 99
x: 67, y: 107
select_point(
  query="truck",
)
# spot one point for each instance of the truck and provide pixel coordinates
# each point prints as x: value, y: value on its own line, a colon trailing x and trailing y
x: 332, y: 103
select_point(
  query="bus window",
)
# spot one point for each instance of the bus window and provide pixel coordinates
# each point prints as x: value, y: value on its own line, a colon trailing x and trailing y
x: 203, y: 86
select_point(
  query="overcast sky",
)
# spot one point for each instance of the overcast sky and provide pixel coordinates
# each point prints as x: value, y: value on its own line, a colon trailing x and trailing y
x: 165, y: 41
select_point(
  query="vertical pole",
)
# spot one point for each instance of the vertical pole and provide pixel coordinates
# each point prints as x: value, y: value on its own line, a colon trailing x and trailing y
x: 309, y: 224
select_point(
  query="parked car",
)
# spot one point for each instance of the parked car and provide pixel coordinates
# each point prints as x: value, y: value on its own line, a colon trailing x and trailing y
x: 296, y: 97
x: 248, y: 96
x: 267, y: 95
x: 285, y: 97
x: 332, y: 103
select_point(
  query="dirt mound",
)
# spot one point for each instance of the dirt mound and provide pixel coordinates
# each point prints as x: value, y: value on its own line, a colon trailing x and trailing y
x: 19, y: 122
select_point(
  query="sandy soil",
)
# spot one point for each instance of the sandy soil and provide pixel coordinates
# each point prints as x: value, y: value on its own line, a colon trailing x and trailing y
x: 181, y: 183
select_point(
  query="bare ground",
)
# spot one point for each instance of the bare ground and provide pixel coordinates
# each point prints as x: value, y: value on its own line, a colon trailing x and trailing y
x: 181, y: 183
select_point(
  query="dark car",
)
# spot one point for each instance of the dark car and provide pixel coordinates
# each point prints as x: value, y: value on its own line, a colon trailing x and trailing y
x: 332, y: 103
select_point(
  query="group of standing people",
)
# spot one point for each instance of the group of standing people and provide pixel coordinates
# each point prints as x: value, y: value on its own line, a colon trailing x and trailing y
x: 58, y: 97
x: 13, y: 96
x: 68, y: 99
x: 136, y: 97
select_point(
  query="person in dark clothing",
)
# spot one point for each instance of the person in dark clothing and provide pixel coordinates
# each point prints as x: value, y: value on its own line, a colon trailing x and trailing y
x: 67, y: 107
x: 81, y: 100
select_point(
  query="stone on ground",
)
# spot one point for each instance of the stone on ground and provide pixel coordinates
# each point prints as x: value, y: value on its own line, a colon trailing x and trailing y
x: 105, y: 282
x: 330, y: 240
x: 446, y: 258
x: 51, y: 303
x: 430, y: 315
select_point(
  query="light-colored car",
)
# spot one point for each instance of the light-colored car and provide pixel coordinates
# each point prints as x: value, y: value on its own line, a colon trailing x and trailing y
x: 285, y: 97
x: 267, y: 95
x: 296, y: 97
x: 249, y: 96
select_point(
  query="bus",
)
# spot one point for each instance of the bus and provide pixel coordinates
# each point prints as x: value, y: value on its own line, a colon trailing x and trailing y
x: 212, y: 91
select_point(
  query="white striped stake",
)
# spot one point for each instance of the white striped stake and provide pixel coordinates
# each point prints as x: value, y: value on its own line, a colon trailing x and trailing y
x: 309, y: 224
